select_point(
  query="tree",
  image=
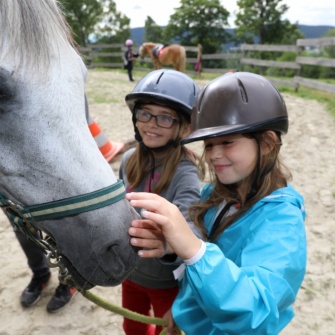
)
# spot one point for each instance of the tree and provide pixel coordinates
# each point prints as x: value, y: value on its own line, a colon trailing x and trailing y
x: 115, y: 26
x: 153, y: 32
x: 82, y: 16
x: 199, y: 21
x: 261, y: 19
x: 98, y: 17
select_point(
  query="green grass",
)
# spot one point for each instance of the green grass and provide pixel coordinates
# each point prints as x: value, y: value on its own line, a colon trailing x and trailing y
x: 309, y: 93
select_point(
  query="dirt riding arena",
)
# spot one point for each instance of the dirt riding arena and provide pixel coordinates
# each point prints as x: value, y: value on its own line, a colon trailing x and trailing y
x: 308, y: 151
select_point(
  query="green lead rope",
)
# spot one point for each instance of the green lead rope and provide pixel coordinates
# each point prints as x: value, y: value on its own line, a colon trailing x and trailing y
x: 126, y: 312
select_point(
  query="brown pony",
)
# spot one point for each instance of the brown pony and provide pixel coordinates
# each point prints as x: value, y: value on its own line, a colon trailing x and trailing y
x: 165, y: 55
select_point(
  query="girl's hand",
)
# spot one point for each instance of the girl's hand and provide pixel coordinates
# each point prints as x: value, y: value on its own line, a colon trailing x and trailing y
x: 146, y: 234
x: 171, y: 324
x: 169, y: 220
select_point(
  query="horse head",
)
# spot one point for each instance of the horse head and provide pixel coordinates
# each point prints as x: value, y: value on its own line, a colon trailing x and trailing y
x: 146, y: 49
x: 47, y: 151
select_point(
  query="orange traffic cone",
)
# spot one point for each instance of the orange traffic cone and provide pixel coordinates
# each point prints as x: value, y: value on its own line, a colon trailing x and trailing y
x: 108, y: 148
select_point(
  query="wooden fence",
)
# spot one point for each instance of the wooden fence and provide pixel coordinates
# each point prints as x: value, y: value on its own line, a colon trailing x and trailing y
x: 295, y: 65
x: 93, y: 55
x: 247, y: 55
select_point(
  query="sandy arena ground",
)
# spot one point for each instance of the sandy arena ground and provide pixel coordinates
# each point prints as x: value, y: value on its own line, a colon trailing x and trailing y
x: 308, y: 151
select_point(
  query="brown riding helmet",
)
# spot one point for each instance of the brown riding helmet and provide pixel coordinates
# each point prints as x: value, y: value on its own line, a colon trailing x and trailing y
x: 237, y: 103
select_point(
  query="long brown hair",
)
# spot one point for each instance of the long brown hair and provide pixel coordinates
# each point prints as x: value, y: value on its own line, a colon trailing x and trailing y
x: 269, y: 173
x: 142, y: 161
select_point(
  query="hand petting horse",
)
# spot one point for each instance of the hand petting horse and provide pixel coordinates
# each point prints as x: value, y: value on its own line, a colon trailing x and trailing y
x: 160, y: 54
x: 52, y: 175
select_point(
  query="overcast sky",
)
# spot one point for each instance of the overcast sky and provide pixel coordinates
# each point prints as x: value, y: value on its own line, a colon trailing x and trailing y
x: 309, y: 12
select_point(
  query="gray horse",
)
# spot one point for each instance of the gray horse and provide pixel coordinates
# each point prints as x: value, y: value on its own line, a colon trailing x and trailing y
x: 47, y: 152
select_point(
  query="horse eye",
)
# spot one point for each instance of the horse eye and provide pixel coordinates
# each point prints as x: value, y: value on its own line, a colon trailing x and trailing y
x: 7, y: 88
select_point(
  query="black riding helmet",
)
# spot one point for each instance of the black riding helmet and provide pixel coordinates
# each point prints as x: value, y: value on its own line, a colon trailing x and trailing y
x: 237, y: 103
x: 163, y: 87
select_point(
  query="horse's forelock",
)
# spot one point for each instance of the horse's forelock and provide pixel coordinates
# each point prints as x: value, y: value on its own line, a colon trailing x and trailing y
x: 30, y: 28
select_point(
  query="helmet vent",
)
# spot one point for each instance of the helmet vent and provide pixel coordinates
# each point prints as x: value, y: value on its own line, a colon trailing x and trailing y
x: 244, y: 95
x: 159, y: 78
x: 201, y: 97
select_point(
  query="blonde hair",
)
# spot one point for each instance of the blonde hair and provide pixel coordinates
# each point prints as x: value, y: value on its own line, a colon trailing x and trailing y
x: 270, y: 174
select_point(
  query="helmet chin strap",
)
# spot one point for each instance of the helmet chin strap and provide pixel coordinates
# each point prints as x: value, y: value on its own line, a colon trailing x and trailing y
x: 170, y: 144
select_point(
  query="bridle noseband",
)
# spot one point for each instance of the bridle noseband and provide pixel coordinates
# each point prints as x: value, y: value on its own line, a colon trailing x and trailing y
x: 24, y: 218
x: 65, y: 207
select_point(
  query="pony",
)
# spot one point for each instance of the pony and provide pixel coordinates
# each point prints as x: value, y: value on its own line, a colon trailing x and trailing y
x: 160, y: 54
x: 53, y: 178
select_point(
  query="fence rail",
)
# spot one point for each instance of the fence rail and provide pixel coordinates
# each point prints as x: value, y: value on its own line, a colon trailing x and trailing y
x: 245, y: 55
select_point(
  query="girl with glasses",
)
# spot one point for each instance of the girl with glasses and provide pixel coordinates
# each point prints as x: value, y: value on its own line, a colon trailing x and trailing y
x: 161, y: 105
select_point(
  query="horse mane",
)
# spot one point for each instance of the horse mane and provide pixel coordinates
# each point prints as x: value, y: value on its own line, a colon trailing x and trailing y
x: 30, y: 30
x: 149, y: 44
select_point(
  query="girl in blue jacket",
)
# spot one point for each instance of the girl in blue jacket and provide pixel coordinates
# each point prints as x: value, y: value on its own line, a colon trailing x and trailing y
x: 243, y: 275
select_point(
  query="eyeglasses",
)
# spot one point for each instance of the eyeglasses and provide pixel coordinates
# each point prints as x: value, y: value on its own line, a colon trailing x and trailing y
x: 163, y: 121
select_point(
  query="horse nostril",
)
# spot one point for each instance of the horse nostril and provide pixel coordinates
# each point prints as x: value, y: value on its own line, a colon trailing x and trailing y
x: 110, y: 247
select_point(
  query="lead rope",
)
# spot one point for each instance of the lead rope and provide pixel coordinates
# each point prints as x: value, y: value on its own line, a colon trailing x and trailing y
x: 127, y: 313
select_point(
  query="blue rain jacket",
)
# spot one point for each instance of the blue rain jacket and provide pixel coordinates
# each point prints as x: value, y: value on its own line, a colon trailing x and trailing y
x: 247, y: 281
